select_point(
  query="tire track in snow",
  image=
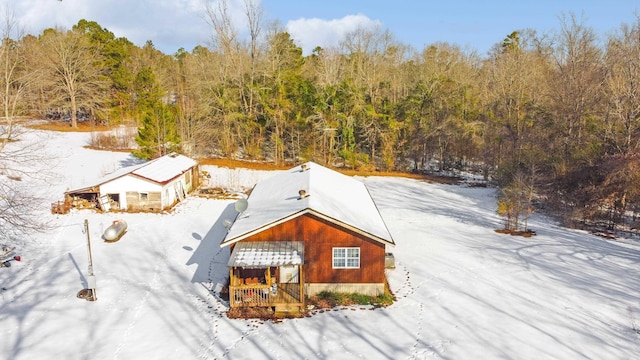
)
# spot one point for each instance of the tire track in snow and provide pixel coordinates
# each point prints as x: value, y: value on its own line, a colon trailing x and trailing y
x: 150, y: 288
x: 274, y: 352
x: 137, y: 310
x: 436, y: 350
x: 117, y: 302
x: 349, y: 354
x: 245, y: 334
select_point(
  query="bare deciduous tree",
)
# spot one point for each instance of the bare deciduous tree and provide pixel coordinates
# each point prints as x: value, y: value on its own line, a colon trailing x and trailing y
x: 15, y: 75
x: 575, y: 95
x: 20, y: 159
x: 254, y: 14
x: 623, y: 90
x: 74, y: 77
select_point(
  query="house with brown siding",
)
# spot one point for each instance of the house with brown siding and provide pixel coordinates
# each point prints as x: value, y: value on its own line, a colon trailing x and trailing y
x: 303, y: 231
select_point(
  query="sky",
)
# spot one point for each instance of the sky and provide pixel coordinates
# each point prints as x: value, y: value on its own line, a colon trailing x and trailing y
x: 471, y: 24
x: 462, y: 290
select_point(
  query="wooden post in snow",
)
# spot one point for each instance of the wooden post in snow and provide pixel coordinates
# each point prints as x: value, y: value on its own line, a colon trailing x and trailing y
x: 91, y: 279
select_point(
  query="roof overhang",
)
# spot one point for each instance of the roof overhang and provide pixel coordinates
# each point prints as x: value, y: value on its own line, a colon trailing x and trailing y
x: 312, y: 212
x: 148, y: 171
x: 264, y: 254
x: 86, y: 190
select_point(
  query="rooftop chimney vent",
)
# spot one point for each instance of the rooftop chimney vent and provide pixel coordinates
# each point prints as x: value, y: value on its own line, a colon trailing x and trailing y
x: 303, y: 194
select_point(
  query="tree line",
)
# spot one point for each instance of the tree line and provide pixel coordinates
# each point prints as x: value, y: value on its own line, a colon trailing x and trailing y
x: 553, y: 119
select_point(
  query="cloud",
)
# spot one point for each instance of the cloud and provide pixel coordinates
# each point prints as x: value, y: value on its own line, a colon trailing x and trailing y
x: 170, y: 24
x: 310, y: 33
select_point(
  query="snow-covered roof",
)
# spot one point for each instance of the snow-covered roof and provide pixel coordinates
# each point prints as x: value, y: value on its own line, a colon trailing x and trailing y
x: 160, y: 170
x: 340, y: 199
x: 260, y: 254
x: 165, y: 168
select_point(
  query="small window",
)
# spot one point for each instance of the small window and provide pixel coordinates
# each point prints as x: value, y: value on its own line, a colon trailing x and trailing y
x: 346, y: 258
x: 144, y: 196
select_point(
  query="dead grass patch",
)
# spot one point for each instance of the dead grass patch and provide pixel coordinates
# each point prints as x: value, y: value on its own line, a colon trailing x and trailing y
x: 263, y: 165
x: 217, y: 193
x: 524, y: 233
x: 262, y: 313
x: 105, y: 149
x: 242, y: 164
x: 233, y: 163
x: 66, y: 127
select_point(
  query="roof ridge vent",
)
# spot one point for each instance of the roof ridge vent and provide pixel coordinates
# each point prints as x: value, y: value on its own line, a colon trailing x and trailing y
x: 304, y: 167
x: 303, y: 194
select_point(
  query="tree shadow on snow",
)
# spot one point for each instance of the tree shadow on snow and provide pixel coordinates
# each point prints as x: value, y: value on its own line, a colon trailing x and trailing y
x: 472, y: 206
x: 131, y: 161
x: 23, y: 303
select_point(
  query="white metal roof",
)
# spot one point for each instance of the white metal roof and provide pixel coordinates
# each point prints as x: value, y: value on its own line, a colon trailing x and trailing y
x: 338, y: 198
x: 260, y: 254
x: 165, y: 168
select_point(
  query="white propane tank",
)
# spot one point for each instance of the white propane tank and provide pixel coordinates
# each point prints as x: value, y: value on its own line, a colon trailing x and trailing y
x: 115, y: 231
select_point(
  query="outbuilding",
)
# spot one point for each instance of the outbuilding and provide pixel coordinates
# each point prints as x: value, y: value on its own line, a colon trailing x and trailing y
x: 154, y: 185
x: 303, y: 231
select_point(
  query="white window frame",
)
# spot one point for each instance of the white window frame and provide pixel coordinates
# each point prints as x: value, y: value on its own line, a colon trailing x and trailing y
x: 348, y: 256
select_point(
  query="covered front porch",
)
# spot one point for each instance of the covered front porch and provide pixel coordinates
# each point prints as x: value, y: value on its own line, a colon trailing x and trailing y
x: 267, y: 274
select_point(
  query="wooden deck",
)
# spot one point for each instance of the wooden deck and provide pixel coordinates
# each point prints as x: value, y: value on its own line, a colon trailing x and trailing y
x: 264, y: 295
x: 259, y: 287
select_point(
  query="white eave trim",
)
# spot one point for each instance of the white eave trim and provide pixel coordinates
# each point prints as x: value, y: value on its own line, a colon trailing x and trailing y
x: 318, y: 214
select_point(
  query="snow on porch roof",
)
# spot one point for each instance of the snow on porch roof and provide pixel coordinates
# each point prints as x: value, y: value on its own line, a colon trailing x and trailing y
x: 338, y: 198
x: 262, y: 254
x: 159, y: 170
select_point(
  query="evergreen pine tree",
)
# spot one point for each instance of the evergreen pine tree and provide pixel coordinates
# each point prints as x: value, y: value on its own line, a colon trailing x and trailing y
x: 157, y: 135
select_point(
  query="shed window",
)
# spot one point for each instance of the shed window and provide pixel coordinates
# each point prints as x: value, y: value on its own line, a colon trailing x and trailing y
x: 144, y: 196
x: 346, y: 258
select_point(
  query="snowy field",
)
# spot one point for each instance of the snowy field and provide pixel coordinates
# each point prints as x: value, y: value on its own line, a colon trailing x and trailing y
x: 463, y: 291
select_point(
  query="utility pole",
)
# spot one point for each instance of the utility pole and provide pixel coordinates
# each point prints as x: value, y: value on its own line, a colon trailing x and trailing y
x: 91, y: 279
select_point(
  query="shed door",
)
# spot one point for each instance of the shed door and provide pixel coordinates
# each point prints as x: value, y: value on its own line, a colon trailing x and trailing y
x: 289, y: 274
x: 179, y: 190
x: 105, y: 202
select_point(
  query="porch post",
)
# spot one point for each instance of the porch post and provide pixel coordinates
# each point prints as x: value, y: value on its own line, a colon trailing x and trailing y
x: 301, y: 275
x: 231, y: 288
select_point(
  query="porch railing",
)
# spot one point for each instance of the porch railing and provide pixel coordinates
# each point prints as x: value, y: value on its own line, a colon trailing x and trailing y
x: 264, y: 295
x: 255, y: 295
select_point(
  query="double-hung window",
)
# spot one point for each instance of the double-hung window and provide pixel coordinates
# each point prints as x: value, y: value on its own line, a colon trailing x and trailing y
x: 346, y: 258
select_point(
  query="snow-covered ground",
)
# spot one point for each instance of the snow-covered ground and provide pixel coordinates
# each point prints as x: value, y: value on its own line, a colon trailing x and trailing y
x: 463, y: 291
